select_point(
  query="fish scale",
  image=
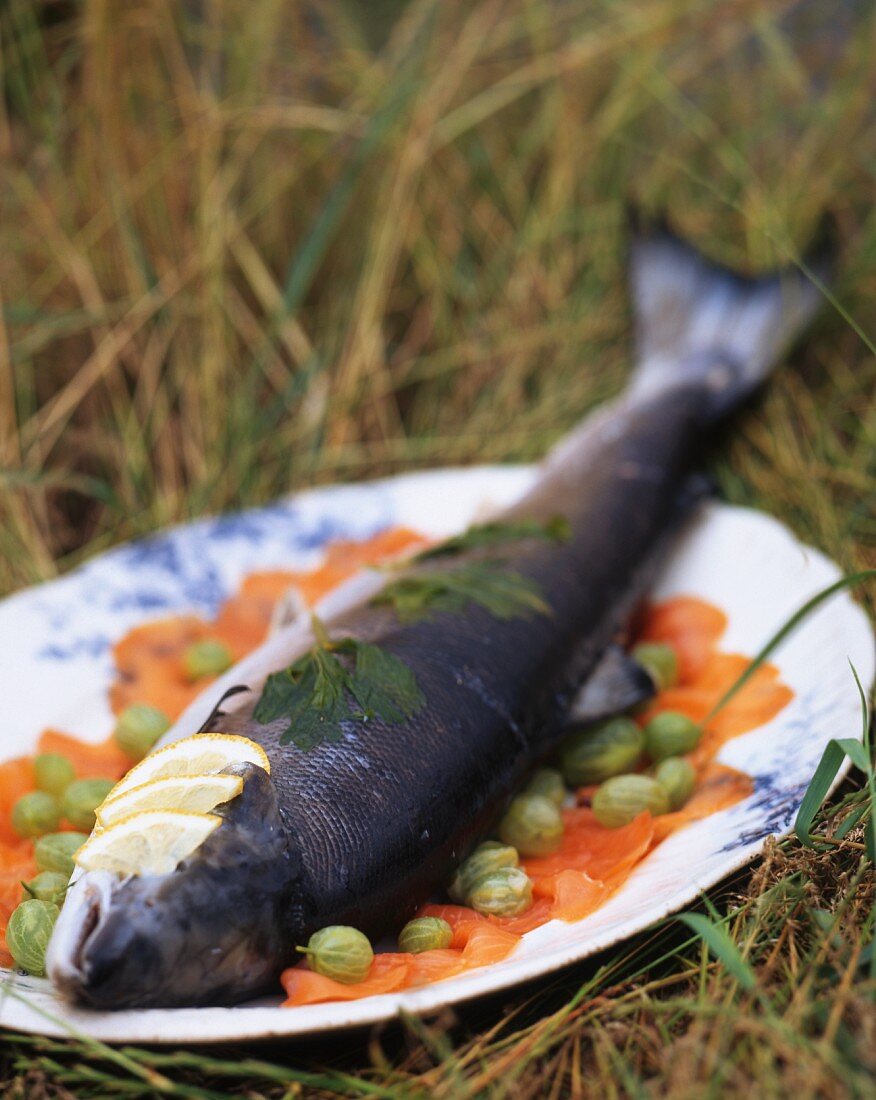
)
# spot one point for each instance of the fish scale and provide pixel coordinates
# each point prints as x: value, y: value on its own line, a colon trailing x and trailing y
x: 364, y: 829
x: 497, y: 695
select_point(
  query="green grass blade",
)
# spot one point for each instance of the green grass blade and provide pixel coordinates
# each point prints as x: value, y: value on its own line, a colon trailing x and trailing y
x: 722, y: 947
x: 868, y: 768
x: 856, y: 752
x: 785, y: 630
x: 829, y: 765
x: 850, y: 821
x: 96, y: 1048
x: 313, y: 248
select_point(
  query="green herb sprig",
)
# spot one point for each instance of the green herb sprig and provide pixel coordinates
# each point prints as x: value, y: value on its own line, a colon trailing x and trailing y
x: 320, y: 691
x: 481, y: 535
x: 503, y: 592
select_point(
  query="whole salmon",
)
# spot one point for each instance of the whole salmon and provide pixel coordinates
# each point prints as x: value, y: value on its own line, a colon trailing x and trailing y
x: 362, y: 819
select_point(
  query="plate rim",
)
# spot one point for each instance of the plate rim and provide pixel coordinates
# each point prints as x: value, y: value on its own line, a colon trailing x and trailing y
x: 266, y: 1022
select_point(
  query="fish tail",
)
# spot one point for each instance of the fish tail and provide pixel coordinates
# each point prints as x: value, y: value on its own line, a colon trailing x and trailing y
x: 699, y: 322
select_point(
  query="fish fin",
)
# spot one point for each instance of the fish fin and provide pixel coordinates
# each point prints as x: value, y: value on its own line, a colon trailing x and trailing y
x: 217, y: 711
x: 699, y: 322
x: 617, y: 683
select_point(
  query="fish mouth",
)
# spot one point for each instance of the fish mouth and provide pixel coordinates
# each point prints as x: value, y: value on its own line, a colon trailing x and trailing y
x: 89, y: 899
x: 215, y: 931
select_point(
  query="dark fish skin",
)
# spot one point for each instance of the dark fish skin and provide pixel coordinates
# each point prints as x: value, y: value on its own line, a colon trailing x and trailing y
x: 382, y: 818
x: 365, y: 829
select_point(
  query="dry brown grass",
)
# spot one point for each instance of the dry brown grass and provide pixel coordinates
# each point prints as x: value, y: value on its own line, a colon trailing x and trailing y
x: 250, y: 246
x: 246, y: 252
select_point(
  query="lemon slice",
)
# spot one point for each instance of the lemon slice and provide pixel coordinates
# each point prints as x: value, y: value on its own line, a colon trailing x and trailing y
x: 152, y: 843
x: 201, y: 754
x: 192, y: 794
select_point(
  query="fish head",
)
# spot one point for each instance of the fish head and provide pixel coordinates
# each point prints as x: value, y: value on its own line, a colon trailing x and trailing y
x: 213, y: 931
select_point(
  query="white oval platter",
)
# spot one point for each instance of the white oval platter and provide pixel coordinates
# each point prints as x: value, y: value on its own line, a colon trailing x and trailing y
x: 56, y: 667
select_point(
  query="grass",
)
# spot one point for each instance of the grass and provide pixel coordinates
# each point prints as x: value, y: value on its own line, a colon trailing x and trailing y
x: 252, y: 246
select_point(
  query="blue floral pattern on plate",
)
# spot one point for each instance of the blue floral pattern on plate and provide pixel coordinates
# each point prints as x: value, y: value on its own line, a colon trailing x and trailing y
x: 56, y: 642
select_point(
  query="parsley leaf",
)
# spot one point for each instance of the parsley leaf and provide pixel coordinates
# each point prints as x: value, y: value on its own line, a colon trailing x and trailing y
x: 384, y: 686
x: 503, y: 592
x: 320, y: 691
x: 492, y: 534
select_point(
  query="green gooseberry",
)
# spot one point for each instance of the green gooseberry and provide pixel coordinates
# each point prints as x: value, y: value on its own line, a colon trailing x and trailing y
x: 594, y: 753
x: 425, y: 934
x: 339, y: 952
x: 502, y: 893
x: 53, y: 773
x: 660, y: 661
x: 208, y: 657
x: 621, y: 799
x: 489, y: 856
x: 28, y: 933
x: 82, y: 798
x: 48, y: 886
x: 671, y: 733
x: 138, y: 729
x: 548, y: 782
x: 678, y: 778
x: 532, y: 824
x: 55, y: 852
x: 36, y: 814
